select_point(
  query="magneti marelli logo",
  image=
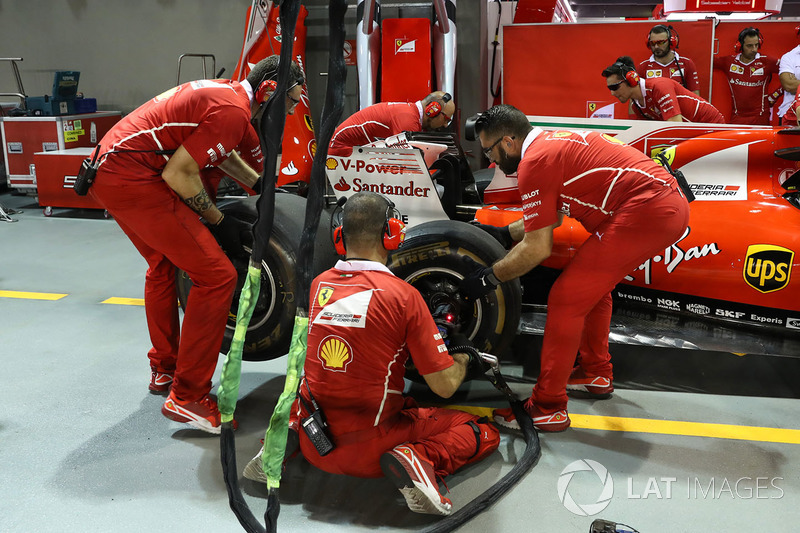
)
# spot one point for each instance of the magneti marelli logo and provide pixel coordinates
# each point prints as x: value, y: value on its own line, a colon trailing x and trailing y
x: 605, y: 487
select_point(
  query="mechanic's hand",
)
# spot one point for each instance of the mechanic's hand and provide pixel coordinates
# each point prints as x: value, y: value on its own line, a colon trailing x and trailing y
x: 230, y: 232
x: 478, y: 283
x: 501, y: 234
x: 476, y: 368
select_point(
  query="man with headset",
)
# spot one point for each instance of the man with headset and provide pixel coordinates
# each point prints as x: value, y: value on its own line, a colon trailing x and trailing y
x: 749, y: 74
x: 149, y: 180
x: 665, y: 62
x: 385, y: 119
x: 364, y: 326
x: 632, y: 208
x: 657, y: 98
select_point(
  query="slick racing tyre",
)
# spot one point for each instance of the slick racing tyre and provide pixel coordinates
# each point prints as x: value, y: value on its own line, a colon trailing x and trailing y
x: 431, y: 261
x: 270, y: 331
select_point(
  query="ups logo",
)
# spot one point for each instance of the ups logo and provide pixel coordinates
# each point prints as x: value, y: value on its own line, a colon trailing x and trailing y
x: 767, y: 268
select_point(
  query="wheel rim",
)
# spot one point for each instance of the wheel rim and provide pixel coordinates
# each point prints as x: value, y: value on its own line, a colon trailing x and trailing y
x: 267, y: 296
x: 438, y: 285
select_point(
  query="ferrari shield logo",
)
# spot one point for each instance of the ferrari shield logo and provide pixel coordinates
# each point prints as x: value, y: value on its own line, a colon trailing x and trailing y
x: 324, y: 295
x: 767, y: 268
x: 667, y: 151
x: 592, y: 106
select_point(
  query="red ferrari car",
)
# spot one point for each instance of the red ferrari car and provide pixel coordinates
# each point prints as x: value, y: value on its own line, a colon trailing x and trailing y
x: 734, y: 264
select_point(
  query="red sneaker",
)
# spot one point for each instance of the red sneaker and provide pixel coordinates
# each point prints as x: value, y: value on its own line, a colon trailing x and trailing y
x: 413, y: 475
x: 160, y: 381
x: 598, y: 386
x: 202, y: 414
x: 550, y: 422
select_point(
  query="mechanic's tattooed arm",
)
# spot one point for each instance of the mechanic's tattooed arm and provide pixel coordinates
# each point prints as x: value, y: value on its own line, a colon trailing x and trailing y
x: 201, y: 204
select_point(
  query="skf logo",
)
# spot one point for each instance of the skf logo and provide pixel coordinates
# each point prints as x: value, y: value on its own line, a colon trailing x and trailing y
x: 767, y: 268
x: 335, y: 354
x: 654, y: 73
x: 737, y: 69
x: 325, y: 294
x: 342, y: 185
x: 401, y: 47
x: 331, y: 164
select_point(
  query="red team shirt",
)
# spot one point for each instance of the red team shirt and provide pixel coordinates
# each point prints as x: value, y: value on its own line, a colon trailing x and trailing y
x: 375, y: 122
x: 748, y: 83
x: 557, y: 174
x: 650, y: 68
x: 664, y: 99
x: 208, y: 126
x: 364, y: 324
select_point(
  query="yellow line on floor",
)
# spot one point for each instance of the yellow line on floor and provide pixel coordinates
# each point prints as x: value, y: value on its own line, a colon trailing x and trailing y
x: 668, y: 427
x: 31, y: 295
x: 114, y: 300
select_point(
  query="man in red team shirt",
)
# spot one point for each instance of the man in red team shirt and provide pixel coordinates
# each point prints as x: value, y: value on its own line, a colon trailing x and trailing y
x: 364, y: 325
x: 749, y: 74
x: 665, y: 61
x: 657, y: 98
x: 632, y: 209
x: 385, y: 119
x: 149, y: 179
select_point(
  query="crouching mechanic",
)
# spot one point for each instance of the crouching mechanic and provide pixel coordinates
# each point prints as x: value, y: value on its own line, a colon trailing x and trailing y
x: 632, y: 209
x: 149, y: 179
x: 364, y: 325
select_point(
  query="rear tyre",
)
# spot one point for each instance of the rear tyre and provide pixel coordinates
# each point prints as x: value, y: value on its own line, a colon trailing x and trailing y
x: 431, y: 261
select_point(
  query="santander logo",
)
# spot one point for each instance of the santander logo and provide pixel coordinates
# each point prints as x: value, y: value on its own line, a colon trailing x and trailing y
x: 342, y: 185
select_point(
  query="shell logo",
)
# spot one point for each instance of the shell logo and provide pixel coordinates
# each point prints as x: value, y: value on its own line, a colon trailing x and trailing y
x: 331, y: 164
x: 335, y: 354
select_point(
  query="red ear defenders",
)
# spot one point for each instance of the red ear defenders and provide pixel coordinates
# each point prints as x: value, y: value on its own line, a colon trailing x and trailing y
x: 263, y: 90
x: 434, y: 109
x: 740, y: 39
x: 393, y: 231
x: 631, y: 76
x: 660, y: 28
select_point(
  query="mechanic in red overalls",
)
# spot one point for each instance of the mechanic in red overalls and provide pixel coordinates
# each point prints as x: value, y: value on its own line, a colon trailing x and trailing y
x: 657, y: 98
x: 157, y: 198
x: 364, y: 325
x: 632, y: 208
x: 385, y: 119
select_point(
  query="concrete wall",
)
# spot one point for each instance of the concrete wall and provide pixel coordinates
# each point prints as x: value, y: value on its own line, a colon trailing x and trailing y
x: 127, y: 52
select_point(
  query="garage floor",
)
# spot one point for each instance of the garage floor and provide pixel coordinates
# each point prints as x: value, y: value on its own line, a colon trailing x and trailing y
x: 689, y: 443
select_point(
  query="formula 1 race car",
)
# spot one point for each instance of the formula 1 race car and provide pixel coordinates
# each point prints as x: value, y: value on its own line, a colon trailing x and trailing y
x: 733, y: 264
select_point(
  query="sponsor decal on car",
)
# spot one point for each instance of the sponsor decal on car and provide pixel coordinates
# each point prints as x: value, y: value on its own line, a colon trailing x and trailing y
x: 767, y: 268
x: 725, y: 313
x: 674, y: 256
x: 793, y: 323
x: 709, y: 189
x: 666, y: 303
x: 698, y: 309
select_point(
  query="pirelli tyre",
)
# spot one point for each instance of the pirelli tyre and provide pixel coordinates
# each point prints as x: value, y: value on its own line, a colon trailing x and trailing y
x: 270, y: 331
x: 431, y: 261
